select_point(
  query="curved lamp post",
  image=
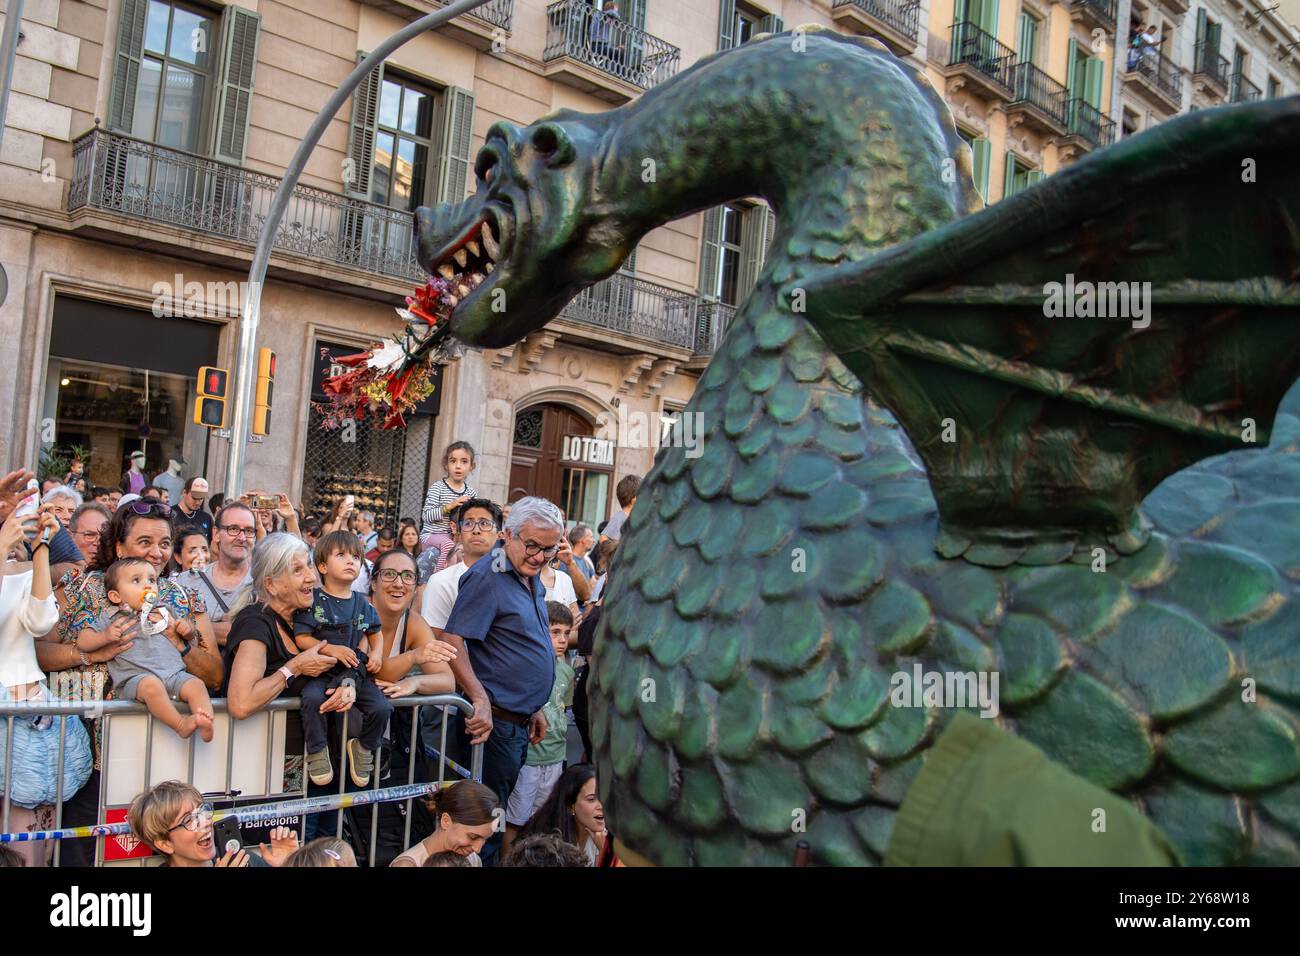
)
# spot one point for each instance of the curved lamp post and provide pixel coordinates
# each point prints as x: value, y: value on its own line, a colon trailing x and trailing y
x: 244, y: 369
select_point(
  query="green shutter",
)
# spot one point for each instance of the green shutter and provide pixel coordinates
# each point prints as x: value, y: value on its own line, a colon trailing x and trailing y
x: 769, y: 235
x: 1009, y: 176
x: 988, y: 17
x: 960, y: 11
x: 457, y: 140
x: 126, y: 65
x: 361, y: 133
x: 710, y: 250
x: 1093, y: 76
x: 753, y: 230
x: 770, y: 24
x: 239, y: 34
x: 981, y: 152
x: 1034, y: 176
x: 1200, y: 25
x: 726, y: 24
x: 1028, y: 38
x: 635, y: 14
x: 1212, y: 33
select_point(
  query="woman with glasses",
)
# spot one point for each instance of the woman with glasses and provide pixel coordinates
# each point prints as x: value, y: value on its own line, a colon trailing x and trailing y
x: 173, y: 820
x: 140, y: 529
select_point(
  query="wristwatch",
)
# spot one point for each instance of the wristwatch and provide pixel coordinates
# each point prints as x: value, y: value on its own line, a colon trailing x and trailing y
x: 288, y: 674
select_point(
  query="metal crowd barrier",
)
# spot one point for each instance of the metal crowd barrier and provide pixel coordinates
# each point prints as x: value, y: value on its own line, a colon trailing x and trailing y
x: 107, y: 709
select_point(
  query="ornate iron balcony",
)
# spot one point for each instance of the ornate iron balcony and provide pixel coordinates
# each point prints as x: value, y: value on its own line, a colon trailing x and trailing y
x: 901, y: 15
x: 712, y: 320
x: 495, y: 12
x: 1210, y: 64
x: 624, y: 303
x: 1085, y: 120
x: 1159, y: 72
x: 1100, y: 11
x: 575, y: 29
x: 135, y: 178
x: 1035, y: 88
x: 972, y: 47
x: 1244, y: 91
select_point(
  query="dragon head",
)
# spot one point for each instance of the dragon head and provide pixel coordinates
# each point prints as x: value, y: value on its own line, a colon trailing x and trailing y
x: 531, y: 237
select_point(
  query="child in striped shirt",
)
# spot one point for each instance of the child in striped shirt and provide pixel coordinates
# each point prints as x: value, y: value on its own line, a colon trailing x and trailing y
x: 445, y: 495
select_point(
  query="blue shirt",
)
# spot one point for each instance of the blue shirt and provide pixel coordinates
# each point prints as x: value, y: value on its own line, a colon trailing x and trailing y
x: 502, y: 617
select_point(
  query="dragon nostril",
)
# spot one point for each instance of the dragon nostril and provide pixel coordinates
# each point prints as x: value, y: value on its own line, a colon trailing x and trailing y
x: 544, y: 140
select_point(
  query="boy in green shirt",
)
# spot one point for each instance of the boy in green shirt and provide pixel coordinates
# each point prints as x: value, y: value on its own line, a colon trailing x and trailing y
x: 545, y: 760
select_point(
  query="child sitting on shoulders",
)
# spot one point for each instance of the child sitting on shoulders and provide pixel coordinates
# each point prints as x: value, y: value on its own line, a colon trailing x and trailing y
x: 343, y: 621
x: 150, y: 668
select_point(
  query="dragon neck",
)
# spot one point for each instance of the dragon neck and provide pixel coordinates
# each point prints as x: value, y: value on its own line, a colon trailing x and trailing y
x: 845, y: 181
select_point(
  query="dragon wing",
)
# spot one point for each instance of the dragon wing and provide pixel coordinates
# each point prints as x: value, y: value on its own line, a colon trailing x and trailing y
x: 1054, y: 357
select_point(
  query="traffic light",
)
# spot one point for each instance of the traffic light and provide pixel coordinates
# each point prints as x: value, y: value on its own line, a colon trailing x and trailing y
x: 262, y: 399
x: 210, y: 407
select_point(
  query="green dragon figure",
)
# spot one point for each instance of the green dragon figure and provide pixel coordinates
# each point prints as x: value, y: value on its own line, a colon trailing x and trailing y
x: 920, y: 456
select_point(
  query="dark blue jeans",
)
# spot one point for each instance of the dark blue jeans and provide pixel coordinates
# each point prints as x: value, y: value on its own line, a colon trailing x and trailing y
x: 503, y: 757
x: 372, y: 709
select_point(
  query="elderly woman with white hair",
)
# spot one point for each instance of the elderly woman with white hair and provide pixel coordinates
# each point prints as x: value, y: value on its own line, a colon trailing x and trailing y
x: 505, y: 661
x: 262, y: 661
x: 62, y: 501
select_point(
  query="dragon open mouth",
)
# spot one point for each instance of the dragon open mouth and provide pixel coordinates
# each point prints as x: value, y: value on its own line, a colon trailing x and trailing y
x: 468, y: 261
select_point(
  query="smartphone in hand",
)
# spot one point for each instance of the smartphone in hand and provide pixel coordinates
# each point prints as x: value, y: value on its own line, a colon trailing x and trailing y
x: 227, y: 836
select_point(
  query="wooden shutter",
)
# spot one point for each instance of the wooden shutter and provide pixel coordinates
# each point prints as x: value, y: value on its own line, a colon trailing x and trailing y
x: 629, y: 264
x: 126, y: 65
x: 770, y: 24
x: 726, y: 24
x: 753, y: 230
x: 457, y: 138
x: 361, y: 133
x: 988, y: 12
x: 1028, y: 37
x: 1200, y: 25
x: 239, y: 35
x: 1034, y: 176
x: 1094, y: 74
x: 710, y: 250
x: 1212, y: 34
x: 982, y: 152
x: 1009, y: 176
x: 635, y: 14
x: 769, y: 235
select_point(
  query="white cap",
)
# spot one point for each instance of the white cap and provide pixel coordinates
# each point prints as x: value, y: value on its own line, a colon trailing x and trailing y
x: 127, y: 499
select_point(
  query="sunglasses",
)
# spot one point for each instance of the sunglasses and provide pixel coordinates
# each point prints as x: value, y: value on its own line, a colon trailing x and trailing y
x: 151, y: 509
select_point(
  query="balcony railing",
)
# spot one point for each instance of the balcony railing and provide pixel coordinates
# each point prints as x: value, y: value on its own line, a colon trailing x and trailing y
x: 1244, y: 91
x: 1210, y: 64
x: 1084, y: 119
x: 623, y: 303
x: 496, y: 12
x: 575, y: 29
x: 712, y: 321
x: 901, y: 15
x: 1103, y: 11
x: 972, y: 47
x: 154, y: 183
x: 1158, y: 70
x: 1034, y: 87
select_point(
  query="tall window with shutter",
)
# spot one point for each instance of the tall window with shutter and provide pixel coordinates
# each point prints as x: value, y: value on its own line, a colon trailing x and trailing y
x: 183, y: 79
x: 739, y: 22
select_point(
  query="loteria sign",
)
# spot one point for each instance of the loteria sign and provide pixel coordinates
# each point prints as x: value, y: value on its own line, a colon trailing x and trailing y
x: 586, y: 450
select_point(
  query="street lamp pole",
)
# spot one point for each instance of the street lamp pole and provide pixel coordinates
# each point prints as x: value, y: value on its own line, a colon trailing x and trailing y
x: 8, y: 51
x: 246, y: 363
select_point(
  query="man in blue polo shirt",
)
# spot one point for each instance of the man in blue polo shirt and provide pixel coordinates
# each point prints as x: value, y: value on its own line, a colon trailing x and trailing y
x: 507, y: 674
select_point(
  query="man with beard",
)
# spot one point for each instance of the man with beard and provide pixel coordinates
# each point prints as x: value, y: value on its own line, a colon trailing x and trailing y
x: 225, y: 580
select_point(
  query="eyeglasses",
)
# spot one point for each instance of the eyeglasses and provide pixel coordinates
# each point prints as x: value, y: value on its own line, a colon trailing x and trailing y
x: 195, y: 819
x: 389, y: 575
x: 478, y: 524
x: 531, y: 549
x: 236, y: 532
x: 146, y: 508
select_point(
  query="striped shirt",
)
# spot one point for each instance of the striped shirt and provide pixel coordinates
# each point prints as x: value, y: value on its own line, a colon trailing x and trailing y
x: 440, y: 495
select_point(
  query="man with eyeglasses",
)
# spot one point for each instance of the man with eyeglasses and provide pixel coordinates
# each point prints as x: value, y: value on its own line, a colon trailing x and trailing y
x: 477, y: 521
x: 506, y: 661
x: 86, y: 523
x: 221, y: 584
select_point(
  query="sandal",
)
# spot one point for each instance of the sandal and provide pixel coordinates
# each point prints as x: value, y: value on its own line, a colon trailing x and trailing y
x: 319, y: 768
x: 361, y: 762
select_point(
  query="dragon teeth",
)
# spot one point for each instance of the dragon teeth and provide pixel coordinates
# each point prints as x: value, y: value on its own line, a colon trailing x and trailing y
x: 487, y: 269
x: 489, y: 243
x: 463, y: 288
x: 473, y: 248
x: 476, y: 279
x: 461, y: 257
x: 453, y: 301
x: 447, y: 272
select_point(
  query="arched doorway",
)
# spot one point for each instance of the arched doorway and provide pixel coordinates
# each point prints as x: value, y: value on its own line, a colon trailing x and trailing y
x: 549, y: 458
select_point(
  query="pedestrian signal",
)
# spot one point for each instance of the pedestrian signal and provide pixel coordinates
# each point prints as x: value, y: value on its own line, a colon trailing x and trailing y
x: 210, y: 406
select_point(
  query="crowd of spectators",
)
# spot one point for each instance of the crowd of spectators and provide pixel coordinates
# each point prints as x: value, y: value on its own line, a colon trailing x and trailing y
x: 107, y: 591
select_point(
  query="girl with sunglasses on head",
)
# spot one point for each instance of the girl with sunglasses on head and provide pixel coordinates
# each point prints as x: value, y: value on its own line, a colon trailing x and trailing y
x: 139, y: 529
